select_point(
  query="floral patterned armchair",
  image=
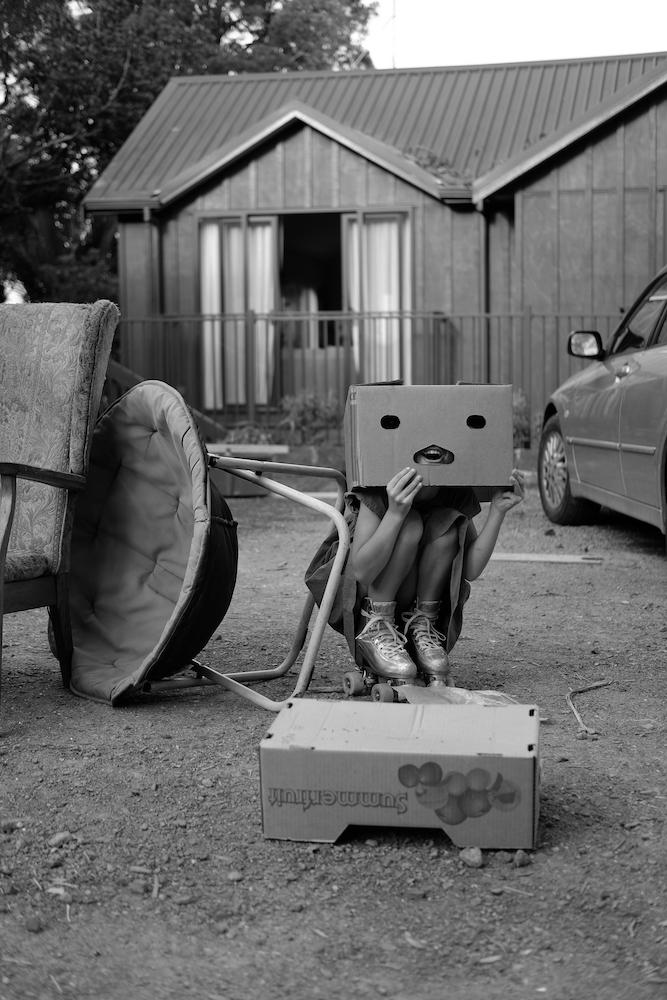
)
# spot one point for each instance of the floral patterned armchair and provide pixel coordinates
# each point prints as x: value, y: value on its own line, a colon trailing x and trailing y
x: 53, y: 362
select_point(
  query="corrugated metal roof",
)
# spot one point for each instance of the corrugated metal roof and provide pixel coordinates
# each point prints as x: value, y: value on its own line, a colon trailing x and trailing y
x: 386, y: 156
x: 549, y: 145
x: 472, y: 119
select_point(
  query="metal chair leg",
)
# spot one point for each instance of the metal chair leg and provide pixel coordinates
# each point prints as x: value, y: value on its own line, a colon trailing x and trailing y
x: 255, y: 472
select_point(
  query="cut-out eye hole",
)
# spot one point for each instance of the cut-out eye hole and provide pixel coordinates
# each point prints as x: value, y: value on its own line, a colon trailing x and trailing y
x: 390, y: 422
x: 476, y: 421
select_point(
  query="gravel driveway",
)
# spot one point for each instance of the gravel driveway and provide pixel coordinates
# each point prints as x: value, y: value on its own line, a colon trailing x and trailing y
x: 132, y: 860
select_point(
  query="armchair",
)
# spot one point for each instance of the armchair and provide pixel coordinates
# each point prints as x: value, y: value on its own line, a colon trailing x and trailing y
x: 53, y: 362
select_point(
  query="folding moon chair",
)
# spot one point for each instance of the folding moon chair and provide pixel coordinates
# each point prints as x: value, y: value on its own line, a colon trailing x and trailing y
x: 154, y: 555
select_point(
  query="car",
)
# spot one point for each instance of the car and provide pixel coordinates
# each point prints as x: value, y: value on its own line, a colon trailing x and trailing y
x: 604, y: 431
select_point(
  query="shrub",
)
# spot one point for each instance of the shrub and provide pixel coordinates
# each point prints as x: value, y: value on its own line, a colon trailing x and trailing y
x: 521, y: 421
x: 249, y: 433
x: 309, y: 417
x: 82, y: 278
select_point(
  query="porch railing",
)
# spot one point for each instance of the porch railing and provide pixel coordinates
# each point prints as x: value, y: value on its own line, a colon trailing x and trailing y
x: 242, y: 367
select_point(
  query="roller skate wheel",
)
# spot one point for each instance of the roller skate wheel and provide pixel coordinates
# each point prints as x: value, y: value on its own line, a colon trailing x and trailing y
x: 353, y: 684
x: 383, y: 692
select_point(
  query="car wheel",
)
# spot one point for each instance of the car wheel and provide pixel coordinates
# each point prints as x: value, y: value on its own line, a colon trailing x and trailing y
x: 554, y: 479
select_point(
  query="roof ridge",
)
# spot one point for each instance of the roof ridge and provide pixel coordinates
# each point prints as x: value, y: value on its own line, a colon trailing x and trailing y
x: 396, y: 71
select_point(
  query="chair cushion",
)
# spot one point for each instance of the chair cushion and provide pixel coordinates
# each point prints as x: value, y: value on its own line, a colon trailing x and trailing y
x: 27, y: 566
x: 53, y: 359
x: 154, y: 548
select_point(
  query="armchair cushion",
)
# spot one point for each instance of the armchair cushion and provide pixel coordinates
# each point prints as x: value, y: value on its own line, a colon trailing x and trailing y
x: 154, y: 548
x: 47, y: 413
x: 25, y: 566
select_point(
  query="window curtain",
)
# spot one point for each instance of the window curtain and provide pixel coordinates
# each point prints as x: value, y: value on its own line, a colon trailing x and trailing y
x: 230, y: 365
x: 262, y: 287
x: 352, y: 253
x: 211, y: 305
x: 382, y: 295
x: 374, y: 285
x: 406, y: 298
x: 233, y: 303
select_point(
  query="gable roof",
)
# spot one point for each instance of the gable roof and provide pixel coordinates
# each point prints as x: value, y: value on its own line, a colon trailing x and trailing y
x: 480, y: 125
x: 241, y: 145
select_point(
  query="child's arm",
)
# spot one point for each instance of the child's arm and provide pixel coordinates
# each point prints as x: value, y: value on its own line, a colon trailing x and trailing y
x: 479, y: 551
x: 374, y: 538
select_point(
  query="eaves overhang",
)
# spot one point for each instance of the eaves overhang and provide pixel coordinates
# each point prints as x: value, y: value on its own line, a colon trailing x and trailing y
x: 513, y: 169
x: 140, y: 203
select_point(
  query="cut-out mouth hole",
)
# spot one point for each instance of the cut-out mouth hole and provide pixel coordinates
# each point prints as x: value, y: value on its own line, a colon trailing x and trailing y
x: 433, y: 454
x: 476, y: 421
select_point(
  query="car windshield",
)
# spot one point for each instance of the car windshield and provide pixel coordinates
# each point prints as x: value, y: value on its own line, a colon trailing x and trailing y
x: 635, y: 332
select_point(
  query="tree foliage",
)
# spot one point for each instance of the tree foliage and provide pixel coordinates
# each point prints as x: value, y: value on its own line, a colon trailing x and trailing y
x: 76, y: 77
x: 295, y: 35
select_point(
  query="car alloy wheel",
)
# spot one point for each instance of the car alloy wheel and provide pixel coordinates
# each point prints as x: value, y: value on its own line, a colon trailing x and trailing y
x: 553, y: 470
x: 554, y: 479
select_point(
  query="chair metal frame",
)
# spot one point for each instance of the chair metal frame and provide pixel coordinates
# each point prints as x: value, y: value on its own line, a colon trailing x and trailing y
x: 261, y: 473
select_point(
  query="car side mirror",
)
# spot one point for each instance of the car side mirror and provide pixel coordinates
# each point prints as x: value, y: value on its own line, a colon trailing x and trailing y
x: 585, y: 344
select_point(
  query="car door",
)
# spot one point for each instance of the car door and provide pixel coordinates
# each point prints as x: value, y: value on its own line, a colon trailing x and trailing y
x: 593, y: 415
x: 643, y: 415
x: 590, y: 422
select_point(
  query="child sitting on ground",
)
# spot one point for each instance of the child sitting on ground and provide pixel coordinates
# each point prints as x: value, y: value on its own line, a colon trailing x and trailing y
x: 414, y: 549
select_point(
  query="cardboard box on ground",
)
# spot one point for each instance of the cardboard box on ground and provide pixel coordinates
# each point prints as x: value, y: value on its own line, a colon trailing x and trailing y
x: 470, y: 770
x: 456, y: 435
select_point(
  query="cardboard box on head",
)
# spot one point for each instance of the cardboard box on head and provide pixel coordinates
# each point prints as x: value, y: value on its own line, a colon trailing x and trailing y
x: 456, y: 435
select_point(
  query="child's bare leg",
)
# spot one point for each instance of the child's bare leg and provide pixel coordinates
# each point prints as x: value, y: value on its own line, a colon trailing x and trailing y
x: 381, y: 644
x: 386, y: 585
x: 435, y: 564
x: 427, y: 644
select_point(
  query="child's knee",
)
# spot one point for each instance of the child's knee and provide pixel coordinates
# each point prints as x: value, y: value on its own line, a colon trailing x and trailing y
x: 445, y: 542
x: 411, y: 531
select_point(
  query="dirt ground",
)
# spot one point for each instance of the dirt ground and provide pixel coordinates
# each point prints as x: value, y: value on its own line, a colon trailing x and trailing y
x: 132, y: 859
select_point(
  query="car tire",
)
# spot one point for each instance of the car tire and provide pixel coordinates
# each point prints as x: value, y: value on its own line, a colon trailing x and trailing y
x: 553, y: 480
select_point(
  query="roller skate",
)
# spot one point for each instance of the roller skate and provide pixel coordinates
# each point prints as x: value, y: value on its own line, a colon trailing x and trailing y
x: 426, y: 644
x: 386, y: 663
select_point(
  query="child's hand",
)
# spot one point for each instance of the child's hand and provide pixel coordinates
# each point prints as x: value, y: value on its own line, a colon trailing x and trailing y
x: 504, y: 500
x: 402, y: 490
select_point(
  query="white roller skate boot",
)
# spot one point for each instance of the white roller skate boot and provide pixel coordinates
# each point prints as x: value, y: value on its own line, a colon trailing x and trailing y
x: 426, y: 643
x: 383, y: 646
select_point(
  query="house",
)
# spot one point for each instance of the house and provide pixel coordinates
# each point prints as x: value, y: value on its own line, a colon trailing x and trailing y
x: 428, y: 224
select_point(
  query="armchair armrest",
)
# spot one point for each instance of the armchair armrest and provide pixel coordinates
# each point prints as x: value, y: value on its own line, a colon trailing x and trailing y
x: 50, y: 477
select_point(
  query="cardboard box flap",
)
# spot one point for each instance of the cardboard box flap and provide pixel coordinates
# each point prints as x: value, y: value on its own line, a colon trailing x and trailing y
x: 349, y: 726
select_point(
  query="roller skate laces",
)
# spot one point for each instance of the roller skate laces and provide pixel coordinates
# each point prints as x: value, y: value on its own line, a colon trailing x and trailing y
x: 427, y: 645
x: 383, y: 646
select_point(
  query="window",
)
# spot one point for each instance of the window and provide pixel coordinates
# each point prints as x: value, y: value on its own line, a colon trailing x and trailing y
x: 635, y: 332
x: 377, y: 284
x: 238, y: 274
x: 309, y: 263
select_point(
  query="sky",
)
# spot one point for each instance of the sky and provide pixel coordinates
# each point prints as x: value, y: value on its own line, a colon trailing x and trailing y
x: 409, y: 33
